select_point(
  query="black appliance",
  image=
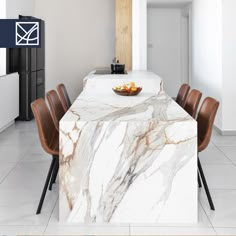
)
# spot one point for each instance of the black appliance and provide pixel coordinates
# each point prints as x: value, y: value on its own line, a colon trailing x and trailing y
x: 117, y: 68
x: 107, y: 71
x: 30, y: 64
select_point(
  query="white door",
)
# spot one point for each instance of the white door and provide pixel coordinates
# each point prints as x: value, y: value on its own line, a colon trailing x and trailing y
x: 166, y: 47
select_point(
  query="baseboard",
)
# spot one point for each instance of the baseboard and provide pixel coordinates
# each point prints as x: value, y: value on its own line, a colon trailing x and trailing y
x: 7, y: 126
x: 225, y: 132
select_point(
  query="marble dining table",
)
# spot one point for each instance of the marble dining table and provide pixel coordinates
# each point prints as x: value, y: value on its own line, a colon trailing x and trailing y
x: 127, y: 159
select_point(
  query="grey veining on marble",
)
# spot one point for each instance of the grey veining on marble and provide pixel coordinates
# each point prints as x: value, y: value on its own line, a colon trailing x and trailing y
x: 127, y: 160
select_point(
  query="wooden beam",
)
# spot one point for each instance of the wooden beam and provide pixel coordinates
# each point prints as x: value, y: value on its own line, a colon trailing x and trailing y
x: 124, y: 32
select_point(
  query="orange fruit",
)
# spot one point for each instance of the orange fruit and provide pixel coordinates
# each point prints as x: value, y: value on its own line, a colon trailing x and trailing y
x: 126, y: 87
x: 132, y: 84
x: 134, y: 89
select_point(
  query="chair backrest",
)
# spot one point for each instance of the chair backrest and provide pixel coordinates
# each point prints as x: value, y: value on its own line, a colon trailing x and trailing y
x: 56, y: 107
x: 205, y: 120
x: 46, y: 128
x: 192, y: 102
x: 182, y: 94
x: 65, y: 100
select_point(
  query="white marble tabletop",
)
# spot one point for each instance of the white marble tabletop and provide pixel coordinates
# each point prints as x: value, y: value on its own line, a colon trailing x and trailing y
x: 98, y: 100
x: 127, y: 159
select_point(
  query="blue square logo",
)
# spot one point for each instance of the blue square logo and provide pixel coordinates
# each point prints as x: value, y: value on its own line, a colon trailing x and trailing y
x: 27, y: 33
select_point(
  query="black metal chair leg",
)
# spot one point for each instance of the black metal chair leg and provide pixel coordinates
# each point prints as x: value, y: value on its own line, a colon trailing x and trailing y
x: 46, y: 185
x: 199, y: 180
x: 205, y: 186
x: 54, y: 174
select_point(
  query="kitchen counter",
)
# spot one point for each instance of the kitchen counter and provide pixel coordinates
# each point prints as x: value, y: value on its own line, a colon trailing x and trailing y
x: 127, y: 159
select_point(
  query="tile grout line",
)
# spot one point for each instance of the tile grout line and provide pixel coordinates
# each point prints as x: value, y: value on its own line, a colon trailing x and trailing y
x: 218, y: 148
x: 216, y: 164
x: 214, y: 228
x: 215, y: 231
x: 21, y: 156
x: 50, y: 216
x: 207, y: 217
x: 16, y: 164
x: 222, y: 189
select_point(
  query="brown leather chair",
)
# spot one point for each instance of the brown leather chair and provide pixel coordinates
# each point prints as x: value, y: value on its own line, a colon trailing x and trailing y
x: 65, y: 100
x: 49, y: 138
x: 205, y: 120
x: 192, y: 102
x: 56, y: 107
x: 182, y: 94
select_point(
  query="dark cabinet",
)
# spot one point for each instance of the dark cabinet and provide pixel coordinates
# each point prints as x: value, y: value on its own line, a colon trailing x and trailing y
x: 29, y: 63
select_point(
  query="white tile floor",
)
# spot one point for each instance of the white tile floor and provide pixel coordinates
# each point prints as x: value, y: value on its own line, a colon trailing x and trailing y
x: 24, y: 166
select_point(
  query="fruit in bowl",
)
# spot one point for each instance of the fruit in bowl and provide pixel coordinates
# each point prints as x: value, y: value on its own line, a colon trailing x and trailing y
x: 129, y: 89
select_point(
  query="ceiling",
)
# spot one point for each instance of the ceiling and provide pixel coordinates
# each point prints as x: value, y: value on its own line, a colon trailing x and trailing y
x: 168, y: 3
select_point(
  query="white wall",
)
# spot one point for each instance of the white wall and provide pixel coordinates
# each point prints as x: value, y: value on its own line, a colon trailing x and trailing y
x: 165, y: 46
x: 207, y: 50
x: 19, y: 7
x: 139, y: 34
x: 9, y: 99
x: 80, y: 35
x: 184, y: 44
x: 168, y: 2
x: 186, y: 48
x: 229, y: 65
x: 2, y: 9
x: 2, y: 50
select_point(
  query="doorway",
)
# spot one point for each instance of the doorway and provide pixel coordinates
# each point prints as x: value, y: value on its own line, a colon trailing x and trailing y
x: 168, y: 50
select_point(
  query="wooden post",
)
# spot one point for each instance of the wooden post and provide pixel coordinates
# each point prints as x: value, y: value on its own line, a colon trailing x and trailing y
x: 124, y: 32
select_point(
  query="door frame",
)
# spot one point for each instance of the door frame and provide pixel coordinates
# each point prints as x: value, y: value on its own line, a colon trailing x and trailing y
x: 139, y: 36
